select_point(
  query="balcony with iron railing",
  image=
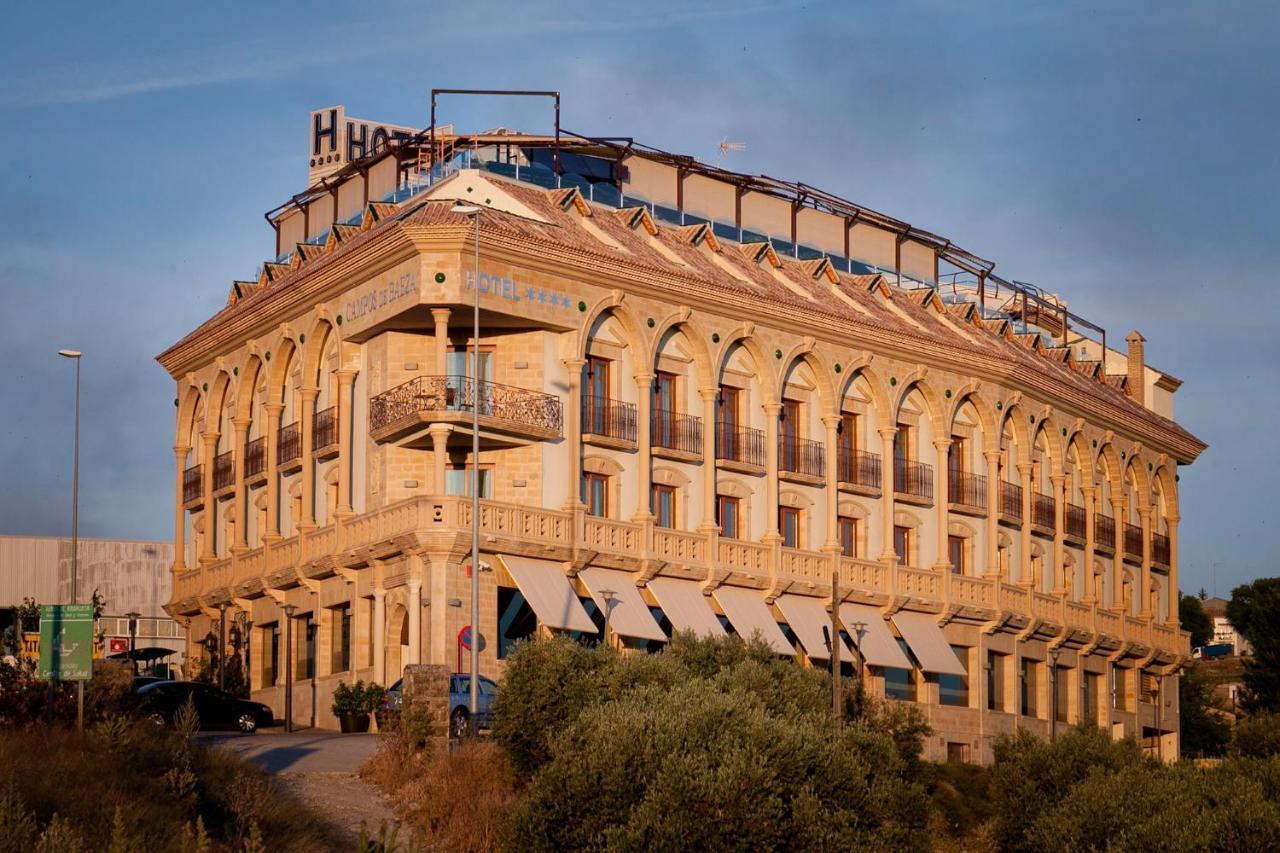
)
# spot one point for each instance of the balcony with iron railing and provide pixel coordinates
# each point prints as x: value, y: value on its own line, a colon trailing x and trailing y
x: 1104, y: 533
x: 967, y: 493
x: 400, y: 412
x: 1010, y: 503
x: 1043, y: 511
x: 1132, y: 542
x: 675, y: 435
x: 740, y: 448
x: 324, y: 433
x: 913, y: 481
x: 224, y: 472
x: 611, y: 423
x: 1160, y: 549
x: 289, y: 447
x: 858, y: 470
x: 255, y: 459
x: 801, y: 458
x: 1075, y: 518
x: 192, y: 485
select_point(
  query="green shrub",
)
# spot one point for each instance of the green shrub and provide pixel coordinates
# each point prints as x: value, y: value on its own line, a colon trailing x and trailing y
x: 1257, y: 736
x: 348, y: 698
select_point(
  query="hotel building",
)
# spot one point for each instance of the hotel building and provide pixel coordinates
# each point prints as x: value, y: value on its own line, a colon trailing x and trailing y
x: 703, y: 398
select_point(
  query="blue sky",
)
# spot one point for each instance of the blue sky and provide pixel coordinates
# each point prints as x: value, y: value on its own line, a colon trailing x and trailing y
x: 1121, y: 154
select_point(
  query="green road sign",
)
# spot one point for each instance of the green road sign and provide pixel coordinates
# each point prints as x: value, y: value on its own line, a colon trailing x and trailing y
x: 66, y: 642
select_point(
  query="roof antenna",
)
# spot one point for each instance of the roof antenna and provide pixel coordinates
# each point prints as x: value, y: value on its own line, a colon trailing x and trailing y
x: 726, y: 148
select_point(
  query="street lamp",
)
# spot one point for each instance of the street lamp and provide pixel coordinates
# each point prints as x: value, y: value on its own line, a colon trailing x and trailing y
x: 132, y: 616
x: 859, y: 631
x: 222, y: 644
x: 1053, y: 689
x: 610, y: 600
x: 473, y: 213
x: 74, y: 355
x: 288, y: 666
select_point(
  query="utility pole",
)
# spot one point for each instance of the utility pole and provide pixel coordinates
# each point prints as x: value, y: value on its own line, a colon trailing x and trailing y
x: 837, y: 699
x: 74, y: 355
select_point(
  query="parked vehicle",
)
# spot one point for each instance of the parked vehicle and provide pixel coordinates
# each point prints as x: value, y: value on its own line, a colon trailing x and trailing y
x: 141, y: 681
x: 215, y: 708
x: 459, y: 703
x: 1214, y: 650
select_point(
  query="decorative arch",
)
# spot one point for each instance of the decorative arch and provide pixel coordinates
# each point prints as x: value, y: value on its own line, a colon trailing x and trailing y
x: 666, y: 475
x: 1078, y: 446
x: 278, y: 380
x: 189, y: 413
x: 611, y: 304
x: 917, y: 382
x: 678, y: 321
x: 971, y: 395
x: 313, y: 351
x: 744, y: 336
x: 1053, y: 441
x: 247, y: 385
x: 794, y: 499
x: 1015, y: 418
x: 1165, y: 483
x: 217, y: 400
x: 803, y: 352
x: 875, y: 385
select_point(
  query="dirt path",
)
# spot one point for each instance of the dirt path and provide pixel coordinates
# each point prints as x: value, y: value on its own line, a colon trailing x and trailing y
x: 347, y: 802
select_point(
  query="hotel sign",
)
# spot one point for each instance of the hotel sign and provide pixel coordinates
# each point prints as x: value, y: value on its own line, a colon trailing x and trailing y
x: 337, y: 139
x: 370, y: 303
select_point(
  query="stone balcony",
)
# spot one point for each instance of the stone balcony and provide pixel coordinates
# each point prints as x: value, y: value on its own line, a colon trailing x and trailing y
x: 427, y: 522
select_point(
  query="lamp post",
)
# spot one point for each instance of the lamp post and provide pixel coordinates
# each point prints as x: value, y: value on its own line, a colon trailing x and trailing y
x: 473, y: 213
x: 288, y: 666
x: 859, y: 631
x: 1053, y: 689
x: 133, y: 616
x: 610, y: 599
x: 222, y: 646
x: 74, y: 355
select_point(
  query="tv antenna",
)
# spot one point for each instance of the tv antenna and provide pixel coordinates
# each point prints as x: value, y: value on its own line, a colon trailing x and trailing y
x: 726, y: 148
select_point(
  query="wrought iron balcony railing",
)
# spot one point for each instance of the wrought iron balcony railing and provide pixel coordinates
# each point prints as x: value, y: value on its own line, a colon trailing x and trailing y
x: 425, y: 398
x: 1160, y: 549
x: 676, y: 431
x: 192, y: 483
x: 1075, y: 518
x: 289, y: 444
x: 1043, y: 510
x: 609, y: 418
x: 1104, y: 532
x: 1011, y: 501
x: 967, y: 491
x: 801, y: 456
x: 740, y: 444
x: 255, y: 457
x: 324, y: 430
x: 224, y: 471
x: 1132, y: 541
x: 858, y: 468
x: 913, y: 479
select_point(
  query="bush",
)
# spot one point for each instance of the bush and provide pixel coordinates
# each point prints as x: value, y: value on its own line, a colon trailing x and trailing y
x: 1257, y: 736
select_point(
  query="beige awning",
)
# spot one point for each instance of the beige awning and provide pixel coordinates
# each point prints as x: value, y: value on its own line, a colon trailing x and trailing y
x: 545, y: 587
x: 684, y: 604
x: 629, y: 615
x: 927, y: 643
x: 807, y: 616
x: 749, y: 615
x: 871, y: 633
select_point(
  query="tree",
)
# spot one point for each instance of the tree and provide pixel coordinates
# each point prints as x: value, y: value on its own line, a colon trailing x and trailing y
x: 1205, y: 729
x: 1254, y: 611
x: 1194, y: 620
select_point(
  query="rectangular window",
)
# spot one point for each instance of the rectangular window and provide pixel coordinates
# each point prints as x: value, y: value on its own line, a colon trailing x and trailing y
x: 954, y: 689
x: 664, y: 410
x: 996, y: 664
x: 595, y: 394
x: 955, y: 554
x: 595, y: 494
x: 271, y: 655
x: 958, y: 752
x: 956, y: 454
x: 1120, y: 688
x: 902, y: 544
x: 340, y: 638
x: 1027, y: 687
x: 458, y: 362
x: 900, y: 683
x: 457, y: 481
x: 307, y: 666
x: 1090, y: 697
x: 848, y: 432
x: 789, y: 526
x: 848, y: 530
x: 1061, y: 693
x: 902, y: 443
x: 664, y: 505
x: 789, y: 435
x: 727, y: 516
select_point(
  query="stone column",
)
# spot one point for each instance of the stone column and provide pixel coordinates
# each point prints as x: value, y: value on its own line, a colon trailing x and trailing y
x: 441, y: 339
x: 1120, y: 508
x: 573, y: 429
x: 771, y: 412
x: 439, y: 456
x: 378, y: 630
x: 346, y: 411
x: 1145, y: 610
x: 830, y: 469
x: 274, y: 410
x: 1060, y: 483
x: 941, y: 498
x: 644, y: 430
x: 1174, y: 595
x: 709, y: 471
x: 414, y: 605
x: 306, y: 415
x: 242, y: 498
x: 180, y: 512
x: 887, y: 435
x: 993, y: 512
x: 210, y: 516
x: 1024, y: 558
x: 1090, y: 541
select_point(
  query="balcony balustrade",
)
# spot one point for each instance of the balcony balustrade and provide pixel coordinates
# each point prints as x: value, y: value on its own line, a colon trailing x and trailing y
x: 610, y: 419
x: 1132, y: 541
x: 1010, y: 502
x: 676, y: 432
x: 255, y: 458
x: 289, y: 446
x: 1075, y: 518
x: 1160, y: 549
x: 1043, y: 510
x: 1104, y: 532
x: 224, y: 471
x: 402, y: 410
x: 912, y: 480
x: 967, y: 492
x: 802, y: 456
x: 858, y: 468
x: 192, y: 484
x: 324, y: 432
x: 740, y: 445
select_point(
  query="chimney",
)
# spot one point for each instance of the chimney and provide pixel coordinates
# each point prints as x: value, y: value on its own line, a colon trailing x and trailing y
x: 1137, y: 367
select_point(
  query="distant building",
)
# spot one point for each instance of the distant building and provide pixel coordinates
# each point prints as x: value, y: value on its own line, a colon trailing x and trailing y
x: 129, y: 575
x: 1223, y: 631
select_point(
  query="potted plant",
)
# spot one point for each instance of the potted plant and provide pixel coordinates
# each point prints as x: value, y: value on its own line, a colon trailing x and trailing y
x: 348, y: 707
x: 371, y: 702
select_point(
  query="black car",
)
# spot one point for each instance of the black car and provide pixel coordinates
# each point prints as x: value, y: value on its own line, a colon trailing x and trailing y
x: 215, y: 708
